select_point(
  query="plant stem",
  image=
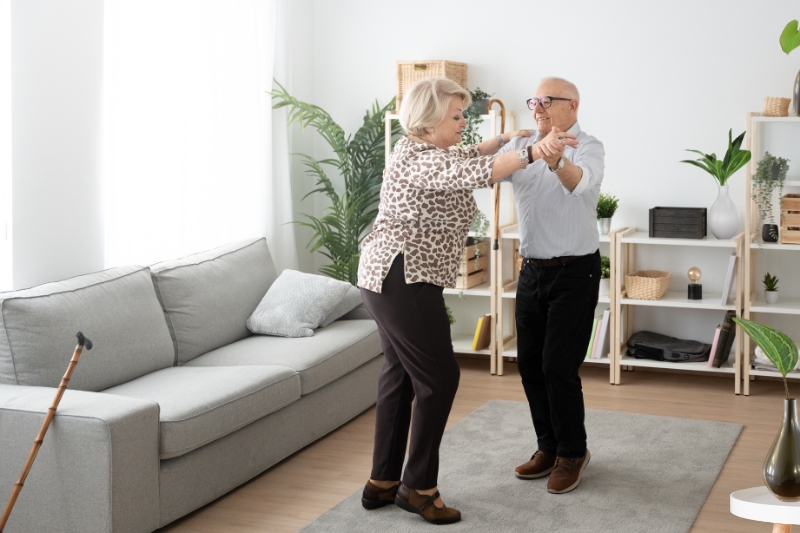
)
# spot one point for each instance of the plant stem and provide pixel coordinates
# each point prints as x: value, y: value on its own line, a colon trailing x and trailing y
x: 786, y: 387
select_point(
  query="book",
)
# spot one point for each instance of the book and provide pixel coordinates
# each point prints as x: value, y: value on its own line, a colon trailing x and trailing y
x: 591, y: 339
x: 725, y: 341
x: 595, y: 344
x: 603, y: 340
x: 483, y: 333
x: 713, y: 347
x: 729, y: 279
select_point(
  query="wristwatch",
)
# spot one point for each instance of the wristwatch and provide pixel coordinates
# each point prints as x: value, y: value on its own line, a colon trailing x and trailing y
x: 522, y: 154
x: 559, y: 166
x: 501, y: 141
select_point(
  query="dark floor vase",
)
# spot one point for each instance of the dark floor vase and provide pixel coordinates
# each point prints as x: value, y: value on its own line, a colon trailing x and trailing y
x: 797, y: 94
x: 782, y: 466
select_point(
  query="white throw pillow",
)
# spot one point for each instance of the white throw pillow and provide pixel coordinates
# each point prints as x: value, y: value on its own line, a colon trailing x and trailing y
x: 296, y: 304
x: 351, y: 300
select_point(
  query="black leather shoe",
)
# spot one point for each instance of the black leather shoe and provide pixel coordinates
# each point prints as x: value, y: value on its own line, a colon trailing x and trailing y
x: 374, y: 497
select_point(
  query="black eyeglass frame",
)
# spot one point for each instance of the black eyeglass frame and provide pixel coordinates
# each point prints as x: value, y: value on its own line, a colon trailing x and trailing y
x: 539, y: 100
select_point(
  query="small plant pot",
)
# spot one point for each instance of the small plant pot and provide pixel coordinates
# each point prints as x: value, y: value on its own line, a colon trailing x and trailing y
x: 771, y: 297
x: 605, y: 285
x: 603, y: 225
x: 769, y: 233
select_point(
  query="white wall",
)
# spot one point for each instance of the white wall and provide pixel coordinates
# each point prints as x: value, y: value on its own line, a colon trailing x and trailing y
x: 56, y: 62
x: 655, y: 79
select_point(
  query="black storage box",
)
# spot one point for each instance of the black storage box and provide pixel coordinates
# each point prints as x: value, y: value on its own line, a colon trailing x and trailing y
x: 678, y: 222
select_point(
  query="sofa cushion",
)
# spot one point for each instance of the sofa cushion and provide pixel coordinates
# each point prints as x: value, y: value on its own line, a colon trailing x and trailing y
x: 207, y: 297
x: 296, y: 304
x: 351, y: 300
x: 117, y: 309
x: 330, y: 354
x: 200, y: 405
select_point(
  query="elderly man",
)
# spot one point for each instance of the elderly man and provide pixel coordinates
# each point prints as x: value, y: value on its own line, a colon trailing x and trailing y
x: 556, y: 199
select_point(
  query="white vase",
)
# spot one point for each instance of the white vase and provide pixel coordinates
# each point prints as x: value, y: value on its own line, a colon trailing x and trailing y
x: 723, y: 217
x: 603, y: 225
x: 605, y: 284
x: 771, y: 297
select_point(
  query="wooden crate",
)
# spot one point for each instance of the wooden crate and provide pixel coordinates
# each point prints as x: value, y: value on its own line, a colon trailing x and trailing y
x: 473, y: 265
x: 409, y: 72
x: 480, y: 248
x: 678, y: 222
x: 790, y: 219
x: 791, y: 202
x: 476, y: 278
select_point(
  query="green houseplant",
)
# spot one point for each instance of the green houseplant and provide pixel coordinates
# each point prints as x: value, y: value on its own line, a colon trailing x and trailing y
x: 606, y: 207
x: 781, y: 468
x: 770, y: 288
x: 723, y: 218
x: 770, y: 175
x: 605, y: 275
x: 472, y: 115
x: 359, y: 159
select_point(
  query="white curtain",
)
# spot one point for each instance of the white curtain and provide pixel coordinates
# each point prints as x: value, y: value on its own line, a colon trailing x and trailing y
x: 188, y: 147
x: 5, y: 145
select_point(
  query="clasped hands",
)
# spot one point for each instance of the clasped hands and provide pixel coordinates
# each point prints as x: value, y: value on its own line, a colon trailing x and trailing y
x: 551, y: 148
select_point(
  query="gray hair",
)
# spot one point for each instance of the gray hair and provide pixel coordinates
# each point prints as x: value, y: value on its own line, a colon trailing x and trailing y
x: 426, y: 103
x: 572, y: 90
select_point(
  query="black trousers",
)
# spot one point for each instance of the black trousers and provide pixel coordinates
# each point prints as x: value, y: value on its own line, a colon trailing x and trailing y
x: 554, y: 312
x: 415, y: 335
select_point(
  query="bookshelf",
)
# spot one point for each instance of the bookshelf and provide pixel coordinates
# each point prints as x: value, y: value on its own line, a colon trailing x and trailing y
x: 625, y: 244
x: 779, y: 136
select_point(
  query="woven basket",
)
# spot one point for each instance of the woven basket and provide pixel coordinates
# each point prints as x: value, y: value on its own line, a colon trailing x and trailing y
x: 776, y: 107
x: 409, y: 72
x: 647, y: 284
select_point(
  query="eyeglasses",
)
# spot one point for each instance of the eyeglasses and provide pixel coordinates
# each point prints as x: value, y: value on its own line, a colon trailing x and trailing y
x: 545, y: 101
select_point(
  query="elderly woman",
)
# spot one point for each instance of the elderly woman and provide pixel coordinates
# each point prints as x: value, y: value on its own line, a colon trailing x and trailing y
x: 413, y: 252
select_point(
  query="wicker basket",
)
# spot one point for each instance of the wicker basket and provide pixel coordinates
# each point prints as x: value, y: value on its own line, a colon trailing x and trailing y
x: 776, y: 107
x: 409, y: 72
x: 647, y: 284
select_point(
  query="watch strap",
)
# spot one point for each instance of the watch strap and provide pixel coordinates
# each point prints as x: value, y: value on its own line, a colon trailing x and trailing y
x: 500, y: 140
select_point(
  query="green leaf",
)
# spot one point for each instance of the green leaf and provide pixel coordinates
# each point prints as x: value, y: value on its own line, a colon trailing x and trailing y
x: 790, y: 37
x: 776, y: 345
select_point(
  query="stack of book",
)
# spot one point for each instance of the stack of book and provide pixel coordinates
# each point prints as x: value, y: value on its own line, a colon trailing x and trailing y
x: 483, y: 333
x: 600, y: 342
x: 723, y: 341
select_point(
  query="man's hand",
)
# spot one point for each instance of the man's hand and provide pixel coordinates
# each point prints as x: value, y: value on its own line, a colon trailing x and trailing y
x: 551, y: 148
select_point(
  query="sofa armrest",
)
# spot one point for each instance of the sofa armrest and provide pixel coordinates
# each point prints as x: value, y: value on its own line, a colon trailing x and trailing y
x: 359, y: 313
x: 97, y: 470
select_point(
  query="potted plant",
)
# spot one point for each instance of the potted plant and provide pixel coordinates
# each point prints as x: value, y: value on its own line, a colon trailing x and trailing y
x: 770, y: 175
x: 606, y: 207
x: 605, y: 275
x: 781, y: 468
x: 723, y: 218
x: 770, y: 288
x: 472, y: 114
x: 790, y: 39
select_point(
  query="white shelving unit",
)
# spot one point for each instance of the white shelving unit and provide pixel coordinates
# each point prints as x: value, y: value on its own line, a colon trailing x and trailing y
x: 624, y: 308
x: 763, y: 133
x: 462, y: 335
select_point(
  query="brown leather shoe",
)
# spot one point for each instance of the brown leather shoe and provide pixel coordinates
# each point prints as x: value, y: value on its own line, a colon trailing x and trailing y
x: 541, y: 464
x: 374, y: 496
x: 414, y: 502
x: 567, y: 474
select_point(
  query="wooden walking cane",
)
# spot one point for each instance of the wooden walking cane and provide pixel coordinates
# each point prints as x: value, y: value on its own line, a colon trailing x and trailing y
x: 496, y: 185
x: 46, y: 424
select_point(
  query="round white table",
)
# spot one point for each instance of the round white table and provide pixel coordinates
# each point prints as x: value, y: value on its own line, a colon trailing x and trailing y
x: 759, y: 504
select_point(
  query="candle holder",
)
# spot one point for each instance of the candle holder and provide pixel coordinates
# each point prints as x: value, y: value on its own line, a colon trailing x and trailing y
x: 695, y: 289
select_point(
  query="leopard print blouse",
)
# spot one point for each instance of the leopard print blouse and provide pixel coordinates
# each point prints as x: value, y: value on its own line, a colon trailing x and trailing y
x: 425, y: 211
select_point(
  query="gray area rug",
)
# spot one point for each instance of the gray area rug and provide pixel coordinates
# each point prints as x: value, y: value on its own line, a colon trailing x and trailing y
x: 647, y: 473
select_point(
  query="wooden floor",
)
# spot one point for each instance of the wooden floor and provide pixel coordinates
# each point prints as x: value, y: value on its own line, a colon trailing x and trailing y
x: 302, y: 487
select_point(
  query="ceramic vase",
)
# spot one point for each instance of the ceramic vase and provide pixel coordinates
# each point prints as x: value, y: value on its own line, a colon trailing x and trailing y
x: 723, y: 217
x: 603, y: 225
x: 771, y: 297
x: 769, y: 233
x: 796, y: 99
x: 605, y: 284
x: 781, y: 468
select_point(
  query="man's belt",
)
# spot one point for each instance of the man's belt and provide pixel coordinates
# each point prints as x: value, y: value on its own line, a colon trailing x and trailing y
x: 555, y: 261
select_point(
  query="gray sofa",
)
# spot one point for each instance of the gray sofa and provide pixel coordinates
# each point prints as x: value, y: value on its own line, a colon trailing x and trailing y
x: 177, y: 403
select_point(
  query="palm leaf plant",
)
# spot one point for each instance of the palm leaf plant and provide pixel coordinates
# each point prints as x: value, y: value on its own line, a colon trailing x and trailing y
x: 360, y: 160
x: 776, y: 345
x: 735, y: 158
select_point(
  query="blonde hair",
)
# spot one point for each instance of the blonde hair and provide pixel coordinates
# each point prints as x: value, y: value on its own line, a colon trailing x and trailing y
x: 426, y: 103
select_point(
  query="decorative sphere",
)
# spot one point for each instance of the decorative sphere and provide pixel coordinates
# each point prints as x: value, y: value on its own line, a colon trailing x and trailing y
x: 694, y: 274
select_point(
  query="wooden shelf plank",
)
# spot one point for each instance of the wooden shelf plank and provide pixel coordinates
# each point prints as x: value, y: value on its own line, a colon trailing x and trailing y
x: 710, y: 300
x: 642, y: 237
x: 785, y: 306
x: 462, y: 343
x: 484, y: 289
x: 701, y: 366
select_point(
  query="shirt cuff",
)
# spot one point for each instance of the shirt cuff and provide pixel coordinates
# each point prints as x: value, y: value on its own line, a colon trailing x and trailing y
x: 582, y: 184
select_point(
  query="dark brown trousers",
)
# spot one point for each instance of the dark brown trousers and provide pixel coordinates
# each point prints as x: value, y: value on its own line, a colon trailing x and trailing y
x: 415, y: 335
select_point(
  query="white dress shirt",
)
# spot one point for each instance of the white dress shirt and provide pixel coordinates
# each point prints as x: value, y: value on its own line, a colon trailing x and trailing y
x: 554, y: 221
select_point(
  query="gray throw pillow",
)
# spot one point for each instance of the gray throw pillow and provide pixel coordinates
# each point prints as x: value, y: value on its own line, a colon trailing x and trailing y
x: 351, y: 300
x: 296, y: 303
